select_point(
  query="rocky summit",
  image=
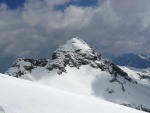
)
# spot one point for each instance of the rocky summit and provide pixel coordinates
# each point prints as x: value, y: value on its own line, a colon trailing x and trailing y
x: 75, y: 53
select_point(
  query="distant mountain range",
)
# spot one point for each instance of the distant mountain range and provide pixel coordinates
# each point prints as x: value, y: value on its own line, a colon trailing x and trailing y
x: 130, y: 60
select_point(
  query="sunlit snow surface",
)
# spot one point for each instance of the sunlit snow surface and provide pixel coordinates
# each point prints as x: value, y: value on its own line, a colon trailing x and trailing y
x: 93, y: 82
x: 85, y: 80
x: 21, y: 96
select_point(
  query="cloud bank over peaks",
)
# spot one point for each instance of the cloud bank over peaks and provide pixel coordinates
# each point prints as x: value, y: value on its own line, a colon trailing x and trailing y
x: 37, y: 29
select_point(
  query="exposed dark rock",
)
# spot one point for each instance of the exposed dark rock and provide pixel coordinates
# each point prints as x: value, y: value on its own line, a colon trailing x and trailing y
x: 24, y: 64
x: 142, y: 76
x: 119, y: 82
x: 28, y: 68
x: 118, y: 70
x: 38, y: 62
x: 54, y: 56
x: 139, y: 107
x: 110, y: 90
x: 19, y: 73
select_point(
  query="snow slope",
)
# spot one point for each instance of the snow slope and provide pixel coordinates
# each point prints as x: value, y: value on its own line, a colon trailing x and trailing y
x: 75, y: 67
x: 21, y: 96
x: 142, y: 76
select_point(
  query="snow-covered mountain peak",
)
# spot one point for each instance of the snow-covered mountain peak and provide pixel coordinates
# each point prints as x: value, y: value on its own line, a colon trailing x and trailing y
x: 75, y: 44
x: 77, y: 68
x: 74, y: 53
x: 74, y: 47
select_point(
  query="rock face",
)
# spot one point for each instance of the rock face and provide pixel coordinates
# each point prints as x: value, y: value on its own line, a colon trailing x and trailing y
x: 140, y: 107
x: 74, y: 54
x: 24, y: 65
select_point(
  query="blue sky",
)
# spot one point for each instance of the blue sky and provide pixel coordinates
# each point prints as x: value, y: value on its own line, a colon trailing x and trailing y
x: 13, y: 4
x: 82, y: 3
x: 36, y: 30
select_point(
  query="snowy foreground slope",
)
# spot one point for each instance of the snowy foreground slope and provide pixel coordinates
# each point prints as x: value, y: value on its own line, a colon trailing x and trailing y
x: 21, y: 96
x: 75, y: 67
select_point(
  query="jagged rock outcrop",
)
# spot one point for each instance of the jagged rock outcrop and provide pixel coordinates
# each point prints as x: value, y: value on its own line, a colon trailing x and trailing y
x: 24, y: 65
x: 139, y: 107
x: 74, y: 54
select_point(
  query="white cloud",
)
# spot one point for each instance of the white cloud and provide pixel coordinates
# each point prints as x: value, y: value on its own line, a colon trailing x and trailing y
x: 37, y: 29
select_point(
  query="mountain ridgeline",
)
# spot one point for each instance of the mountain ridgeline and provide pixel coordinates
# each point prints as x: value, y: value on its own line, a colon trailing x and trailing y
x: 131, y: 60
x: 74, y: 54
x: 77, y: 68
